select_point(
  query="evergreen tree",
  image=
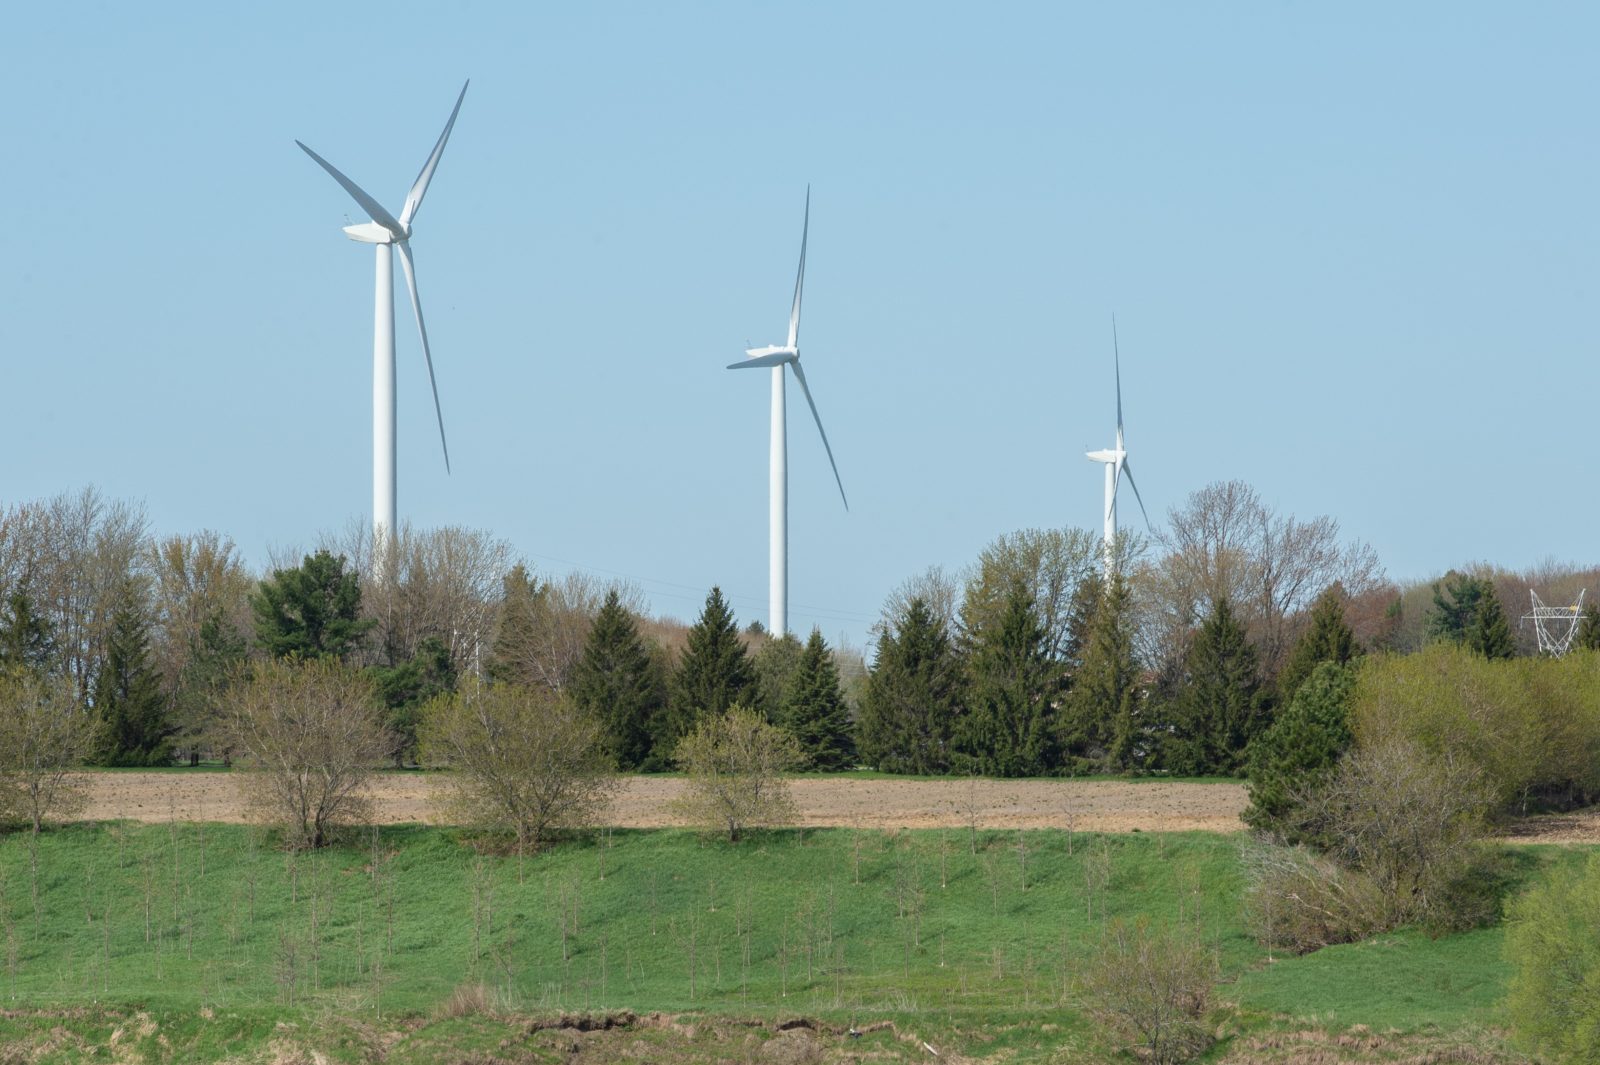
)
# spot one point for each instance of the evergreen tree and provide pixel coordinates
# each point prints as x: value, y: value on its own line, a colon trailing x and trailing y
x: 406, y: 687
x: 622, y: 683
x: 25, y: 638
x: 713, y: 674
x: 127, y: 692
x: 913, y: 696
x: 1589, y: 629
x: 1009, y: 727
x: 216, y: 653
x: 1220, y: 708
x: 1455, y: 604
x: 310, y: 611
x: 1098, y: 726
x: 516, y: 628
x: 776, y: 663
x: 815, y: 712
x: 1327, y: 639
x: 1489, y: 634
x: 1086, y: 600
x: 1301, y: 749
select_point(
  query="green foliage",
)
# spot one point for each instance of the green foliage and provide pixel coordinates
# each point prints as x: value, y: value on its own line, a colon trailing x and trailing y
x: 310, y: 611
x: 621, y: 682
x: 913, y: 696
x: 1151, y: 987
x: 735, y: 762
x: 1489, y: 633
x: 1295, y: 755
x: 516, y: 628
x: 216, y: 655
x: 1531, y: 726
x: 1588, y: 637
x: 1098, y: 727
x: 776, y: 663
x: 1555, y: 957
x: 25, y: 638
x: 713, y: 674
x: 1327, y: 638
x: 1009, y: 728
x: 1455, y: 604
x: 816, y: 713
x: 132, y: 708
x: 1220, y: 708
x: 405, y: 688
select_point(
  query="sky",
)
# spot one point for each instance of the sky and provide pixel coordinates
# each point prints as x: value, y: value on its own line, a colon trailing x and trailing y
x: 1351, y: 250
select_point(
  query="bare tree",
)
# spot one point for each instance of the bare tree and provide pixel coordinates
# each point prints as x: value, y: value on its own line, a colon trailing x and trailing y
x: 1049, y: 564
x: 525, y: 760
x: 44, y: 736
x: 939, y: 591
x: 735, y: 763
x: 1225, y: 543
x: 541, y: 627
x: 309, y: 735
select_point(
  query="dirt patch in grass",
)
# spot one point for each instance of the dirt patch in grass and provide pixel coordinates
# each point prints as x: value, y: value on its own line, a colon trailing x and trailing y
x: 1086, y: 806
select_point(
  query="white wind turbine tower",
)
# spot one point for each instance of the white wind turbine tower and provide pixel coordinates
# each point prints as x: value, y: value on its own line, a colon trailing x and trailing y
x: 388, y: 232
x: 777, y: 356
x: 1116, y: 463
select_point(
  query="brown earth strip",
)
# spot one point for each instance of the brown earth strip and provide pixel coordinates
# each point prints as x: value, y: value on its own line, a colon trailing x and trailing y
x: 1085, y: 806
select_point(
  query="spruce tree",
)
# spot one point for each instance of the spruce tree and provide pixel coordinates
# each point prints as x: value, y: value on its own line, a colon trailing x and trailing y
x: 516, y: 627
x: 1220, y: 708
x: 1328, y: 638
x: 913, y: 696
x: 406, y: 687
x: 713, y: 674
x: 310, y: 611
x: 1489, y: 634
x: 1589, y: 629
x: 1098, y: 725
x: 622, y: 683
x: 1301, y: 749
x: 215, y: 654
x: 815, y: 712
x: 25, y: 638
x: 776, y: 664
x: 1009, y: 727
x: 1455, y: 604
x: 127, y: 692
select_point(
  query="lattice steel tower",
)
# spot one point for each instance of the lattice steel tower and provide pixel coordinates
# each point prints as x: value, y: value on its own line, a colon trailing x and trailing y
x: 1555, y: 626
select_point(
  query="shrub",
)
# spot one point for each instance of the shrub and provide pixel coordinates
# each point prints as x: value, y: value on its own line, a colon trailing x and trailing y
x: 1411, y: 823
x: 1152, y: 988
x: 526, y: 760
x: 1300, y: 901
x: 308, y: 735
x: 44, y: 735
x: 735, y: 763
x: 1555, y: 957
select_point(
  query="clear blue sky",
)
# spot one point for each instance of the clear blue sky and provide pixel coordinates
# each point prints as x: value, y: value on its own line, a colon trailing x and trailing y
x: 1352, y: 250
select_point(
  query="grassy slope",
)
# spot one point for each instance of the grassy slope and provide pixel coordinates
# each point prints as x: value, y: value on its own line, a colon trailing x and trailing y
x: 844, y: 925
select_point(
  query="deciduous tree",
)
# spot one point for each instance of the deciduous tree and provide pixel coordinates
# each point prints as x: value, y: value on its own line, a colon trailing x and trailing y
x: 735, y: 763
x: 44, y: 737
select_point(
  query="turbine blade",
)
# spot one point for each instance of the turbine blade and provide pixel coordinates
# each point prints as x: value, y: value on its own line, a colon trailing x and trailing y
x: 416, y: 305
x: 373, y: 208
x: 800, y: 278
x: 800, y: 375
x: 764, y: 360
x: 1116, y: 354
x: 419, y: 188
x: 1135, y: 487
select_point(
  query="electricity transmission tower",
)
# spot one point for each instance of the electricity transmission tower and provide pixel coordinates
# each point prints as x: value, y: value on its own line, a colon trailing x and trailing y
x: 1555, y: 626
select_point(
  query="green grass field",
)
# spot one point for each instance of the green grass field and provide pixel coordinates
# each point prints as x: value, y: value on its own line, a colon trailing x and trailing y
x: 222, y: 938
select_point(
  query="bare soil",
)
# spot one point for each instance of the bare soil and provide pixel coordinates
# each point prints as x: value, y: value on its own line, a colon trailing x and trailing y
x: 1085, y: 806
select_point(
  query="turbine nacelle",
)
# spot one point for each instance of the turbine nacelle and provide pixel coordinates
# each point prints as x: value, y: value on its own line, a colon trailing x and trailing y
x: 375, y: 233
x: 1116, y: 455
x: 771, y: 355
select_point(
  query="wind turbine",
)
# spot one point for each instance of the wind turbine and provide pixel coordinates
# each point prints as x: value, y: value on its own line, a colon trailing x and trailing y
x: 777, y: 356
x: 387, y: 232
x: 1116, y: 463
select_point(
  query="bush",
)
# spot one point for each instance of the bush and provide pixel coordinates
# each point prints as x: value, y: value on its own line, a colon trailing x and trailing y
x: 308, y: 736
x: 44, y: 735
x: 526, y: 760
x: 1152, y: 989
x: 735, y: 763
x: 1530, y: 726
x: 1555, y: 957
x: 1412, y: 824
x: 1300, y: 901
